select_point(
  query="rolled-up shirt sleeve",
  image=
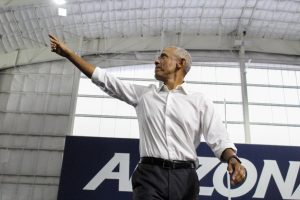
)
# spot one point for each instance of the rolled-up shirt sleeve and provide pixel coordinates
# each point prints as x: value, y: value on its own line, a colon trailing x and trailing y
x: 214, y: 131
x: 115, y: 87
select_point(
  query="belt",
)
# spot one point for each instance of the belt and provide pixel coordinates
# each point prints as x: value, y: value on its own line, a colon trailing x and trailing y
x: 168, y: 164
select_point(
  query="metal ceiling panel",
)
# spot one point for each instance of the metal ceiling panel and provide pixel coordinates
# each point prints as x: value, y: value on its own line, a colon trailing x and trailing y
x: 26, y: 25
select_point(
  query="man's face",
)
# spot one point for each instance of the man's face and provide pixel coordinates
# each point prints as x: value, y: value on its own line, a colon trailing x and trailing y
x: 165, y: 64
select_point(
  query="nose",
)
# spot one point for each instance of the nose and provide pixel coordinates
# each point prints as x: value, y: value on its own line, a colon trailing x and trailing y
x: 156, y: 61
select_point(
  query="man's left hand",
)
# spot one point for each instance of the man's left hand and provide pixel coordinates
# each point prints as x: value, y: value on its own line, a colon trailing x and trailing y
x: 237, y: 171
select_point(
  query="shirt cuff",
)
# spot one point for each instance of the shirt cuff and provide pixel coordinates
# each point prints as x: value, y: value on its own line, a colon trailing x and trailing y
x: 98, y: 75
x: 219, y: 152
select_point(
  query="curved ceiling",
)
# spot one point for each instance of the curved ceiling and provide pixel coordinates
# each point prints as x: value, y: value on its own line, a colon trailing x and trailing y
x: 25, y: 24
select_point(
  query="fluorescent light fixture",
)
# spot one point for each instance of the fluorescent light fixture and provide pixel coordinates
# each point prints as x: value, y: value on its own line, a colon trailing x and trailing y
x: 62, y: 12
x: 59, y: 2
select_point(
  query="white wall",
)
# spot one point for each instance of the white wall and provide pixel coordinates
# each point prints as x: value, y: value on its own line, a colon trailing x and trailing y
x: 35, y: 115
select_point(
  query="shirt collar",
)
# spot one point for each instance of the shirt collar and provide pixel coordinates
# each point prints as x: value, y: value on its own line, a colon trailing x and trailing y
x: 182, y: 87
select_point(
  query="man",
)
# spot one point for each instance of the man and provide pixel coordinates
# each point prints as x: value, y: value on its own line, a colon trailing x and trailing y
x: 171, y: 122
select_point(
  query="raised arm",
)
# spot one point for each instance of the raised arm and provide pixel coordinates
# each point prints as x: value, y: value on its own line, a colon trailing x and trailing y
x: 107, y: 82
x: 61, y: 49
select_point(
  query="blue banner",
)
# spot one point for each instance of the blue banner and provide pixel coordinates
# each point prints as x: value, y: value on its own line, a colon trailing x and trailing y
x: 100, y: 168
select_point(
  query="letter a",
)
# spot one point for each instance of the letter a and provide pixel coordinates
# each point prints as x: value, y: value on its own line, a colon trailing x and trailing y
x: 121, y: 159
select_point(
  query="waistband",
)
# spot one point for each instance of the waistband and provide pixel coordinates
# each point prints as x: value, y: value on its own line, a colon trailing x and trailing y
x: 168, y: 164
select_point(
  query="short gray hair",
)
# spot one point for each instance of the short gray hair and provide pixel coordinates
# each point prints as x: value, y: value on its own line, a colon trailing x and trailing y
x: 182, y: 53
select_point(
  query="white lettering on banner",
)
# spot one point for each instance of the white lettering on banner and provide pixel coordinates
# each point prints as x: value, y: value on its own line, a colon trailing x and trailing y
x: 207, y: 164
x: 296, y: 194
x: 285, y: 187
x: 121, y: 159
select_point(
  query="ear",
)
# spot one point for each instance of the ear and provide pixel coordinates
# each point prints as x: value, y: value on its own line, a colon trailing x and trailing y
x: 183, y: 62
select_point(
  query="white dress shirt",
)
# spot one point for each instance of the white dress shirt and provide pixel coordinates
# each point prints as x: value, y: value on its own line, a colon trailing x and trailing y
x: 171, y: 122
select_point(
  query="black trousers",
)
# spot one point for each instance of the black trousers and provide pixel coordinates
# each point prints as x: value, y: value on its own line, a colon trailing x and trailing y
x: 152, y: 182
